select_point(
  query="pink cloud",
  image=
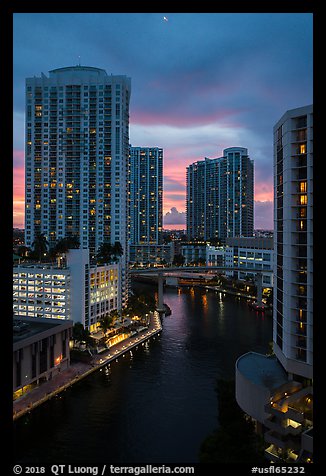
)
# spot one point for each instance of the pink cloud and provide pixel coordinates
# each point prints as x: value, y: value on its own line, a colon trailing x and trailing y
x: 18, y: 158
x: 182, y: 118
x: 18, y: 189
x: 264, y: 191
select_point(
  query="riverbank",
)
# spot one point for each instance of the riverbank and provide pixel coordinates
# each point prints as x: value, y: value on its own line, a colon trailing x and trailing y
x: 80, y: 370
x: 250, y: 298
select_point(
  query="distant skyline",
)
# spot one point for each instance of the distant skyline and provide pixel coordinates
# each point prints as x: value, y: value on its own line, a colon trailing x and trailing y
x: 200, y: 82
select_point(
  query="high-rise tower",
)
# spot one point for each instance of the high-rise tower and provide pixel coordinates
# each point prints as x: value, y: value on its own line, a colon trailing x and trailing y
x: 146, y: 195
x: 277, y: 390
x: 293, y: 243
x: 220, y: 196
x: 77, y: 148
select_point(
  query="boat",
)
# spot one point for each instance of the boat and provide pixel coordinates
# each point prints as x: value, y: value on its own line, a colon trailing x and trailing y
x: 257, y: 307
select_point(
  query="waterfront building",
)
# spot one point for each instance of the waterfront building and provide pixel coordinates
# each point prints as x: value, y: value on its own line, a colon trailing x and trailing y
x: 146, y: 195
x: 40, y: 350
x: 220, y: 196
x: 76, y: 156
x: 215, y: 255
x: 250, y: 252
x: 277, y: 390
x: 194, y: 252
x: 77, y: 290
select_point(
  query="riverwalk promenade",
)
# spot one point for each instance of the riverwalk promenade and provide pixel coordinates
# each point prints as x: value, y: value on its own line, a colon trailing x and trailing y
x: 80, y: 370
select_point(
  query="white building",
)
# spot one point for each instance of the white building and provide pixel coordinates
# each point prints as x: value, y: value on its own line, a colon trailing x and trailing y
x: 250, y: 253
x: 78, y: 291
x: 215, y: 255
x: 77, y: 154
x: 277, y: 390
x: 41, y: 291
x: 293, y: 241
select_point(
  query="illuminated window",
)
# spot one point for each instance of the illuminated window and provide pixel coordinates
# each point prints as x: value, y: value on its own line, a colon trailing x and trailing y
x: 303, y: 148
x: 303, y: 187
x: 303, y: 199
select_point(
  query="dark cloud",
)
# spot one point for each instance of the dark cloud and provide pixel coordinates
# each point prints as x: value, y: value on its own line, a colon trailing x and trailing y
x: 172, y: 185
x: 214, y: 80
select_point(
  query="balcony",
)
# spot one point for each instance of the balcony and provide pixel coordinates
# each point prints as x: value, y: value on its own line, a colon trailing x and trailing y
x: 295, y: 406
x: 276, y: 455
x: 285, y: 443
x: 280, y: 426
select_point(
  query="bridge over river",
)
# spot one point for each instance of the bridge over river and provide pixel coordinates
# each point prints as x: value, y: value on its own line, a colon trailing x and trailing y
x: 184, y: 271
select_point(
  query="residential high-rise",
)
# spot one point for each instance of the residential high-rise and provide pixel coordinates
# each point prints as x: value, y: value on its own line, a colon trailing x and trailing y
x: 220, y: 196
x: 293, y: 225
x: 277, y: 390
x: 146, y: 195
x: 77, y: 148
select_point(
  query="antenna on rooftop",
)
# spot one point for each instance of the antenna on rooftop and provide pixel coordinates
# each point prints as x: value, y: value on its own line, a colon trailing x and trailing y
x: 78, y: 61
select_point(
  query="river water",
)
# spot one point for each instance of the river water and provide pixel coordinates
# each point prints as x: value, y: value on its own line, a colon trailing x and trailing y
x: 156, y: 405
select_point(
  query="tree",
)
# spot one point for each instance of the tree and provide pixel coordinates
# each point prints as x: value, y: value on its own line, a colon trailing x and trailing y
x: 80, y: 334
x: 63, y: 245
x: 40, y: 246
x: 23, y: 251
x: 235, y: 441
x: 108, y: 253
x: 178, y: 260
x: 141, y: 304
x: 106, y: 322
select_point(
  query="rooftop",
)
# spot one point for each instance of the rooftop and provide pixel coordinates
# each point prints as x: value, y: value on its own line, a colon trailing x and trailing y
x: 78, y: 68
x: 24, y: 328
x: 265, y: 371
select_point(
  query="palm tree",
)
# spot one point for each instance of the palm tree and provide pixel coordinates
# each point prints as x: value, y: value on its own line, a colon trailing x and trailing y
x: 106, y: 322
x: 117, y: 249
x: 63, y: 245
x: 108, y: 253
x: 40, y: 246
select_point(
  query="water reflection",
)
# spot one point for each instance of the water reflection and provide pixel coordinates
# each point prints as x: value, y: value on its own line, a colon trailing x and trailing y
x: 156, y: 404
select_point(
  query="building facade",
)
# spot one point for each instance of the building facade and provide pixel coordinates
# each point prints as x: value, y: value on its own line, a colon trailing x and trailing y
x: 77, y: 149
x: 293, y: 241
x: 145, y: 255
x: 220, y: 196
x: 40, y: 350
x: 250, y: 253
x: 146, y: 195
x: 77, y: 291
x: 277, y: 390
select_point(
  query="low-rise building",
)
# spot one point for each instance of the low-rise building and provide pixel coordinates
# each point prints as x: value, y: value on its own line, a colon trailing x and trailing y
x: 194, y: 252
x: 144, y: 254
x: 75, y: 291
x: 250, y: 253
x: 40, y: 349
x: 215, y: 255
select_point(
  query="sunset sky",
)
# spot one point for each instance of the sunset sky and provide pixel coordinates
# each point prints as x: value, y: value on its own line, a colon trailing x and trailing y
x: 200, y: 82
